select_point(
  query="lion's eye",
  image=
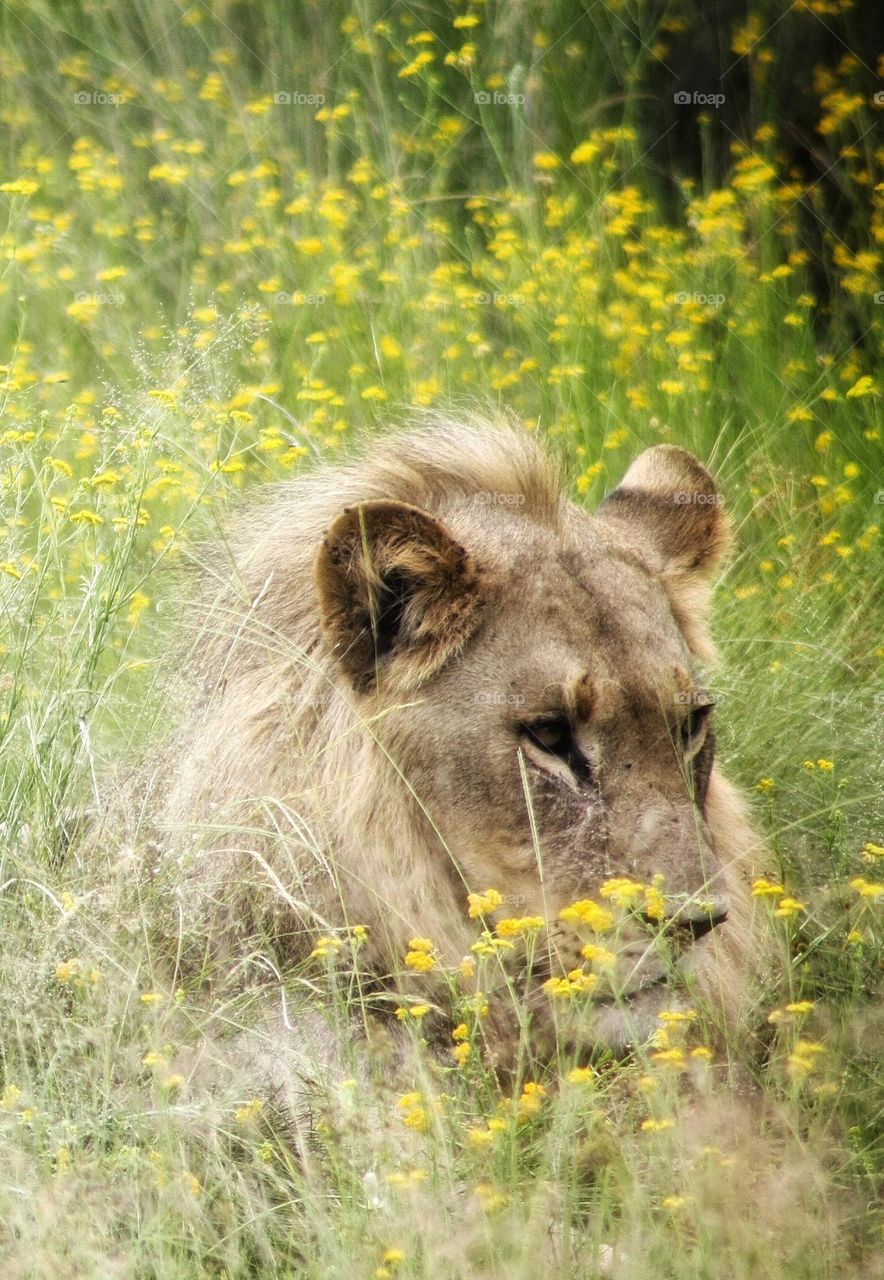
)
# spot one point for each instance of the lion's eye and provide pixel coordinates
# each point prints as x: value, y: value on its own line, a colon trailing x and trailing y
x: 552, y: 735
x: 695, y: 724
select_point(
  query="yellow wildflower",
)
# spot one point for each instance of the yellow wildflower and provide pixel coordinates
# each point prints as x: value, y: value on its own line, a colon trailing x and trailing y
x: 423, y: 59
x: 864, y: 386
x: 531, y: 1099
x: 414, y: 1112
x: 764, y: 888
x: 582, y: 982
x: 248, y: 1112
x: 558, y: 988
x: 416, y: 1011
x: 488, y: 945
x: 10, y: 1097
x: 585, y: 153
x: 865, y: 888
x: 675, y: 1202
x: 480, y: 1137
x: 326, y: 946
x: 671, y: 1058
x: 20, y: 187
x: 390, y: 347
x: 622, y: 891
x: 655, y: 903
x: 587, y: 912
x: 490, y: 1197
x: 484, y: 904
x: 788, y: 907
x: 673, y: 1016
x: 802, y: 1061
x: 516, y: 927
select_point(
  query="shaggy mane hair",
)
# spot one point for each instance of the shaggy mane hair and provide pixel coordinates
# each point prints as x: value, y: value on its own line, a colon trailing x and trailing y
x: 434, y: 463
x: 276, y: 776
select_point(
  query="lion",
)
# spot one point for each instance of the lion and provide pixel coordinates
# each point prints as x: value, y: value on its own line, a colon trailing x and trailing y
x: 427, y: 671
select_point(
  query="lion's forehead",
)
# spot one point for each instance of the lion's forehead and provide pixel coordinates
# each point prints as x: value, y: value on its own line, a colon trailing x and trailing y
x: 571, y: 563
x: 566, y: 616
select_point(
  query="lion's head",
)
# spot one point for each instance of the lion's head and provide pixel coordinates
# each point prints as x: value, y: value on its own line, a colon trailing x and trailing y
x: 446, y: 676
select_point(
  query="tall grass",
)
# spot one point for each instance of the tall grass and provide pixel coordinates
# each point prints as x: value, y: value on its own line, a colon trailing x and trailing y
x: 210, y: 277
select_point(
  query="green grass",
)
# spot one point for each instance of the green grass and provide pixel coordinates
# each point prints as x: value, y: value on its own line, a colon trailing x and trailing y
x: 202, y: 289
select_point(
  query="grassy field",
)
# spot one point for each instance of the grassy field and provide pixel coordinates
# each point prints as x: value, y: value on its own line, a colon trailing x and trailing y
x: 237, y: 237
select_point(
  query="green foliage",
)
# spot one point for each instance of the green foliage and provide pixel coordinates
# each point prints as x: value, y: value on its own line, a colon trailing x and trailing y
x: 236, y: 237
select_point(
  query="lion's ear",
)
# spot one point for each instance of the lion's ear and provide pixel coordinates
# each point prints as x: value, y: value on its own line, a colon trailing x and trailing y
x: 669, y: 504
x: 669, y: 510
x: 396, y: 592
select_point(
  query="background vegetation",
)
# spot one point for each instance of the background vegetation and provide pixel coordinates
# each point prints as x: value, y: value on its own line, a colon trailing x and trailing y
x: 235, y: 237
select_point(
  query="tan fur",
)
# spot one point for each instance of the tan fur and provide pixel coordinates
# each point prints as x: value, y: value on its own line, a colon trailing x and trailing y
x: 376, y: 634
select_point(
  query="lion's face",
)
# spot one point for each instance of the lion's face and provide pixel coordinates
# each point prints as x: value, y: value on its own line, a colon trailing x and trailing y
x: 541, y: 699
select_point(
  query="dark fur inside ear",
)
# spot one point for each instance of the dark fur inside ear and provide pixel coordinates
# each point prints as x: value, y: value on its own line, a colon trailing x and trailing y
x: 396, y: 589
x: 396, y: 592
